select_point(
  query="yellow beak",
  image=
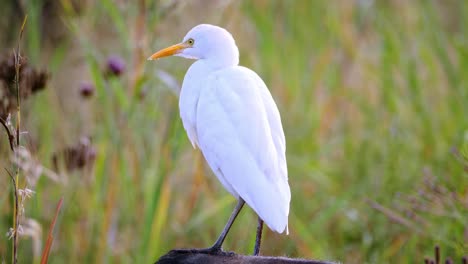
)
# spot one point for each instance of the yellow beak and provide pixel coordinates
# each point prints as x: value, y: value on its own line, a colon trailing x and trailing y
x: 169, y: 51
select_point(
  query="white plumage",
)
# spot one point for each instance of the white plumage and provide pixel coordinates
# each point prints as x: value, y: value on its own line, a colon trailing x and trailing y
x: 229, y: 113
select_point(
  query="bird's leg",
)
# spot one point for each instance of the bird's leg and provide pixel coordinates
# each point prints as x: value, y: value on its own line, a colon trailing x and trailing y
x: 258, y: 239
x: 216, y: 248
x: 219, y: 242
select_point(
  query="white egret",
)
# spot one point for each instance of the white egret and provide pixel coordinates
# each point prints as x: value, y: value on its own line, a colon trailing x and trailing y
x: 229, y: 113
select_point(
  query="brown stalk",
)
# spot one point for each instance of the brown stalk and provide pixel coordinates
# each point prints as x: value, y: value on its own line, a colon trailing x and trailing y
x: 139, y: 44
x: 11, y: 138
x: 17, y: 68
x: 50, y: 236
x: 394, y: 216
x: 18, y: 122
x: 15, y: 233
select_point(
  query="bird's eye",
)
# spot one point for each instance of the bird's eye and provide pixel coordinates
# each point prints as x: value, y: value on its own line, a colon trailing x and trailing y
x: 191, y: 41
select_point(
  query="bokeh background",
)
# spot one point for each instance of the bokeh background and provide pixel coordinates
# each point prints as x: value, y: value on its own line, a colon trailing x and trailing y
x: 374, y: 102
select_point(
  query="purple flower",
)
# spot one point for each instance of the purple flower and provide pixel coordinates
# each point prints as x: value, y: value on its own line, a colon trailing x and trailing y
x: 86, y: 89
x: 115, y: 65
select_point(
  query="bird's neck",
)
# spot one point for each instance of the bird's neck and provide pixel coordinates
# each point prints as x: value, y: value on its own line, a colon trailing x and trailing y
x: 200, y: 70
x: 222, y: 56
x: 193, y: 80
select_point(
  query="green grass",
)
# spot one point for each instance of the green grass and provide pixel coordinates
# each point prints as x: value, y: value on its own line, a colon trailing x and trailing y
x: 373, y: 99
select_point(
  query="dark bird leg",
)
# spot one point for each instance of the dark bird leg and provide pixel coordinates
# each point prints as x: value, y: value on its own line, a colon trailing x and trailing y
x: 216, y: 248
x: 219, y: 242
x: 258, y: 239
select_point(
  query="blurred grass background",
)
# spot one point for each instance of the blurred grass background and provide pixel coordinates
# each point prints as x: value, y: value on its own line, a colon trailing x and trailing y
x: 374, y: 103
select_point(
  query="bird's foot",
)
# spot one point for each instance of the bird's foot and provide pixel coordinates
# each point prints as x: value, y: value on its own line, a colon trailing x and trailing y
x: 217, y: 251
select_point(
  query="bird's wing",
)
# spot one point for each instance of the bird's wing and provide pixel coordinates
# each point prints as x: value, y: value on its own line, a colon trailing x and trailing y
x: 240, y: 134
x: 276, y: 127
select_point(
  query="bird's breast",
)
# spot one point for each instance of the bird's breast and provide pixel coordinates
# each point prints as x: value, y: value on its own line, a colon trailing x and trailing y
x: 193, y: 83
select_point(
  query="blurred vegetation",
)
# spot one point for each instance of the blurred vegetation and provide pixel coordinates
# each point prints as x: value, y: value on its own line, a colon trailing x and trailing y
x: 374, y: 102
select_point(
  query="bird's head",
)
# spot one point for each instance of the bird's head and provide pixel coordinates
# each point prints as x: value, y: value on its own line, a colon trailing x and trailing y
x: 204, y: 42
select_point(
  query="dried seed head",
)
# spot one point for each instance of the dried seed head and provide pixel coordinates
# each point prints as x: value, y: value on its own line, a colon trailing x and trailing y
x: 78, y: 156
x: 31, y: 167
x: 25, y: 193
x: 31, y: 80
x: 10, y: 233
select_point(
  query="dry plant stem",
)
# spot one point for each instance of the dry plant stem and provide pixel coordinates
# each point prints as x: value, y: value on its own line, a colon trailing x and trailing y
x: 15, y: 194
x: 140, y: 45
x: 394, y: 216
x: 18, y: 126
x: 11, y: 138
x: 50, y: 237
